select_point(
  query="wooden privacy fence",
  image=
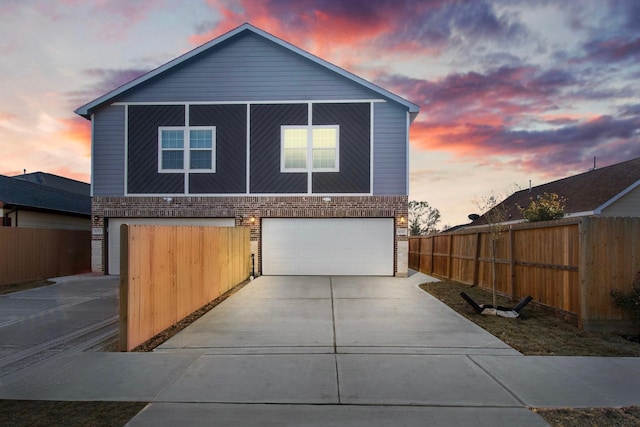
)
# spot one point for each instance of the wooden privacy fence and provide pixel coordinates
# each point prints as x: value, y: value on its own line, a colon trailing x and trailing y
x: 168, y: 272
x: 40, y: 253
x: 570, y: 264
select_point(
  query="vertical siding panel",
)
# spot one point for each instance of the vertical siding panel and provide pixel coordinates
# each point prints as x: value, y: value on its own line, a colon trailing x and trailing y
x: 355, y: 124
x: 142, y: 168
x: 231, y: 124
x: 266, y: 121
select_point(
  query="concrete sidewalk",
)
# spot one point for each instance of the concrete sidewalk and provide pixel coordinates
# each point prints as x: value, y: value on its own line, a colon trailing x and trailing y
x: 333, y: 351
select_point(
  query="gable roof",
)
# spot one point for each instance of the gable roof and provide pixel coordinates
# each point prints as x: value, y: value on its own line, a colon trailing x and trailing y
x: 56, y: 181
x: 85, y: 110
x: 587, y: 193
x: 25, y: 194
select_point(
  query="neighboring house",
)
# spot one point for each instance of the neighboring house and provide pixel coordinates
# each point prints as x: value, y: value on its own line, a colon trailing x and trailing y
x: 249, y: 130
x: 609, y: 191
x: 42, y: 200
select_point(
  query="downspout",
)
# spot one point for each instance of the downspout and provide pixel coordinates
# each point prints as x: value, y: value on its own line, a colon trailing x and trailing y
x: 14, y: 210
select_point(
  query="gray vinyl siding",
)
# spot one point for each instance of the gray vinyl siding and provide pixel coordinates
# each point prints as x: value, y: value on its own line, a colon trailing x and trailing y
x: 390, y: 150
x: 249, y: 69
x: 107, y: 176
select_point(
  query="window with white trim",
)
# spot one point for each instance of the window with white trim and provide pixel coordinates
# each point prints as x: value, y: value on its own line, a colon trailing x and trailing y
x: 187, y: 149
x: 310, y: 148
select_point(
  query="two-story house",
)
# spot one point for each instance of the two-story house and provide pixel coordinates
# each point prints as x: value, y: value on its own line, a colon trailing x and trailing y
x: 249, y: 130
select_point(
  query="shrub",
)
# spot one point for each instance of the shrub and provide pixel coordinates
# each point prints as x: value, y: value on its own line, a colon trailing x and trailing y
x: 545, y: 208
x: 629, y: 301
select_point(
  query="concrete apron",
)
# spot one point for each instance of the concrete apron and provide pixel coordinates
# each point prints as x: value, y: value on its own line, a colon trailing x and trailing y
x: 330, y: 351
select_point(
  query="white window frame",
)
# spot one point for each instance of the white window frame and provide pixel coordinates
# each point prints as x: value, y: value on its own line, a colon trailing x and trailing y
x: 186, y: 149
x: 309, y: 149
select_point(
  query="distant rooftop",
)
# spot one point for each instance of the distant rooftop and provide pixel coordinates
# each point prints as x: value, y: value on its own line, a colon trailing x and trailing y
x: 584, y: 193
x: 56, y: 181
x: 23, y: 193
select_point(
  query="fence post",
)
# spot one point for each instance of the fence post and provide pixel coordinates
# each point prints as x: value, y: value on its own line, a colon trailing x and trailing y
x: 433, y: 240
x: 124, y: 288
x: 584, y: 240
x: 512, y: 283
x: 476, y: 261
x: 450, y: 257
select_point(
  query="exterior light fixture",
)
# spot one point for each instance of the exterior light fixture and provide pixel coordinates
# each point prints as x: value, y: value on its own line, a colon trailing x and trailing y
x: 402, y: 220
x: 252, y: 219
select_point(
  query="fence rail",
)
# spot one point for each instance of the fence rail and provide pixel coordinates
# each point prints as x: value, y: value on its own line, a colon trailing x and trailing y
x: 570, y: 264
x: 40, y: 253
x: 168, y: 272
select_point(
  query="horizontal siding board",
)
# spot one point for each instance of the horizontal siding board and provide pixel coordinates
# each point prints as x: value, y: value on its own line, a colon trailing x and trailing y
x: 390, y: 150
x: 231, y: 148
x: 143, y: 176
x: 251, y: 69
x: 107, y: 175
x: 266, y: 121
x: 628, y: 205
x: 355, y: 146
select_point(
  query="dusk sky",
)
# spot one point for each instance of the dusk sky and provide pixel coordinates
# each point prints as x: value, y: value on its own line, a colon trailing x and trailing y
x: 509, y: 90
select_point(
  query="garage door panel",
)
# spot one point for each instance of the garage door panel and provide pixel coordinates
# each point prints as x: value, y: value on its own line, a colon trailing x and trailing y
x: 345, y: 246
x: 113, y: 242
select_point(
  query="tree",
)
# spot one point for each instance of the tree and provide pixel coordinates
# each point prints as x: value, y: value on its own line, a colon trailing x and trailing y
x: 545, y: 208
x: 423, y: 219
x: 496, y: 214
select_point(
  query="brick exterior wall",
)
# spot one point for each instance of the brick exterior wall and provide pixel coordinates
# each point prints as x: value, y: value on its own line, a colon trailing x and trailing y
x: 249, y: 211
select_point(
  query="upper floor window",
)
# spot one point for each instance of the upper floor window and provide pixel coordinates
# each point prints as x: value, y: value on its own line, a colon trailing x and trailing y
x: 187, y: 149
x: 310, y: 148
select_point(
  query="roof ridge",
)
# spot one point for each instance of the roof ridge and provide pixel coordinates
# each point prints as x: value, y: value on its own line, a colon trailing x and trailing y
x: 598, y: 170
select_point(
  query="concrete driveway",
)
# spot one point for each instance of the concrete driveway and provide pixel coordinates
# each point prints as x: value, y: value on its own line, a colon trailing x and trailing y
x: 372, y: 349
x: 332, y: 351
x: 335, y: 315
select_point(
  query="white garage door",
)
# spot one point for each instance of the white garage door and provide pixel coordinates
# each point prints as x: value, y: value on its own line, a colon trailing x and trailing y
x: 113, y: 244
x: 351, y: 246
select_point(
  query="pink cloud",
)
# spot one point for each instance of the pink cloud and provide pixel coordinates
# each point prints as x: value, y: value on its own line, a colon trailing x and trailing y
x: 76, y: 131
x: 399, y: 27
x: 5, y: 117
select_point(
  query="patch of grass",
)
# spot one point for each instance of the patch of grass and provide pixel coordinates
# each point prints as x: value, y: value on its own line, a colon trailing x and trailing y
x: 36, y: 413
x: 537, y: 331
x: 603, y: 417
x: 23, y: 286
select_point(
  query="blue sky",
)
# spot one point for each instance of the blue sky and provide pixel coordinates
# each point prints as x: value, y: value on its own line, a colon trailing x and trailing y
x: 509, y: 90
